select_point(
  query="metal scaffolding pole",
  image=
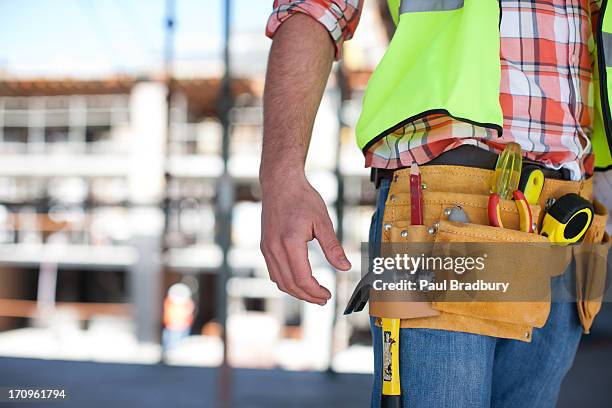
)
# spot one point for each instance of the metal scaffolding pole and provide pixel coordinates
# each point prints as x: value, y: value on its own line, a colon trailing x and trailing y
x: 224, y: 206
x: 169, y: 82
x: 170, y: 21
x: 339, y: 207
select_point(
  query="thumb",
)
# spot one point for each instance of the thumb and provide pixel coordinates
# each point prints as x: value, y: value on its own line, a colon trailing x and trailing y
x: 331, y: 246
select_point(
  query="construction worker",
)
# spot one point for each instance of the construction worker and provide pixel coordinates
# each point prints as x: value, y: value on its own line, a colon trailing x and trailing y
x: 178, y: 315
x: 460, y: 80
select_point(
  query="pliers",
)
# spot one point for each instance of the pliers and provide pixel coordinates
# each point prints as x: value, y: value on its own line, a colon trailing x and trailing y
x: 524, y: 211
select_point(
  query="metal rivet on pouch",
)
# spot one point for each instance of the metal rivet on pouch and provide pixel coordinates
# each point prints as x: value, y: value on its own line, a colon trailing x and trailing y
x: 534, y: 226
x: 387, y: 227
x: 527, y: 334
x: 392, y: 198
x: 436, y: 225
x: 396, y: 178
x: 404, y: 234
x: 447, y: 211
x: 431, y: 230
x: 424, y: 186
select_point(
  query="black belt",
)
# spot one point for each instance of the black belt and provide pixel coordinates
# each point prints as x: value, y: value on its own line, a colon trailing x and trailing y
x: 469, y: 156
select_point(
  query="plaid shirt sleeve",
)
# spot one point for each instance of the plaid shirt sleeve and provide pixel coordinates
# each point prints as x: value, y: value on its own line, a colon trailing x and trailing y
x: 339, y: 17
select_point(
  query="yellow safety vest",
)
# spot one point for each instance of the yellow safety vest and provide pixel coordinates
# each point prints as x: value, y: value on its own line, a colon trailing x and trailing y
x: 444, y: 58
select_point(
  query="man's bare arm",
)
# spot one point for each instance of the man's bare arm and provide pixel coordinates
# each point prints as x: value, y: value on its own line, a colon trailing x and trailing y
x: 293, y: 212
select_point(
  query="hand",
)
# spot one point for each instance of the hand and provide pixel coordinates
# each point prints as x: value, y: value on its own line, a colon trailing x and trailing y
x: 294, y: 213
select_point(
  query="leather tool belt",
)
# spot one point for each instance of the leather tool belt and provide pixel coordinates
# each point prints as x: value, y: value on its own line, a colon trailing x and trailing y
x: 469, y: 186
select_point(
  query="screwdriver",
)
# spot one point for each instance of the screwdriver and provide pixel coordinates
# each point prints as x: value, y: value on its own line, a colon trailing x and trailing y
x: 507, y: 171
x: 505, y: 186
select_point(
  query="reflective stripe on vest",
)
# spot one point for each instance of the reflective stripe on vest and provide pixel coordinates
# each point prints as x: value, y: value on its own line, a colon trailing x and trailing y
x: 412, y: 6
x: 607, y: 45
x: 601, y: 138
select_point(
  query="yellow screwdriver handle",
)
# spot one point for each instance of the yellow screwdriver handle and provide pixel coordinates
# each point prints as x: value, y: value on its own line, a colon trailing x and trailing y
x: 507, y: 171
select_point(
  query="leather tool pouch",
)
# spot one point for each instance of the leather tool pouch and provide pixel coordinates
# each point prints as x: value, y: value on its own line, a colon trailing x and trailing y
x: 591, y: 258
x: 521, y: 261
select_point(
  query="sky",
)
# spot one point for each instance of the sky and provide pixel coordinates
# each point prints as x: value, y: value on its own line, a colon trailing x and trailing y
x: 100, y: 37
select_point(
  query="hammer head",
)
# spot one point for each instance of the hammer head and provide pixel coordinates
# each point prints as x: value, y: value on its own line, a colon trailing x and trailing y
x: 358, y: 300
x: 361, y: 294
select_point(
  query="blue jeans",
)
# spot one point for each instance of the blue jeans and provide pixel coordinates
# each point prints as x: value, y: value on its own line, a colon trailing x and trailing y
x: 441, y: 369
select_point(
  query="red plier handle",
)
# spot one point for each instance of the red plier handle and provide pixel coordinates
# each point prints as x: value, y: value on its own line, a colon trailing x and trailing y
x: 524, y: 211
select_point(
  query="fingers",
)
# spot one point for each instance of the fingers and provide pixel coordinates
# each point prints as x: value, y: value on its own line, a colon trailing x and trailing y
x: 324, y: 232
x: 301, y: 271
x: 281, y: 273
x: 285, y: 235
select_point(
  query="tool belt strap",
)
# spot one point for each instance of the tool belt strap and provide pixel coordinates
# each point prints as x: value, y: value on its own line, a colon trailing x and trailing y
x: 471, y: 180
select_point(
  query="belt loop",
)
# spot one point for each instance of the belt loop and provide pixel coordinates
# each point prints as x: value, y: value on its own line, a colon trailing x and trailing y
x: 374, y: 177
x: 565, y: 173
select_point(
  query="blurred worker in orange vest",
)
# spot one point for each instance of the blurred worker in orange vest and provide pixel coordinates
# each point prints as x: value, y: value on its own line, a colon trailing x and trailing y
x: 178, y: 315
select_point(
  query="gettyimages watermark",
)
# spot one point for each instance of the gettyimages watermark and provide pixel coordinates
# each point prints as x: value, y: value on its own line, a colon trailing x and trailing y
x: 489, y: 272
x: 459, y: 265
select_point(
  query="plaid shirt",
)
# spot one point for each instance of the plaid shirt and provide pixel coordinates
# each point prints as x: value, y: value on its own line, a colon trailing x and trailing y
x: 546, y: 90
x: 339, y: 17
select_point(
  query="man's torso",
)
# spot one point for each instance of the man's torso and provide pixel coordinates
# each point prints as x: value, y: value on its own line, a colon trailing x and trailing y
x: 546, y: 94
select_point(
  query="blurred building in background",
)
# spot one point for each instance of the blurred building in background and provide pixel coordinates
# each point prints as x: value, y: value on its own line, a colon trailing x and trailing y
x: 108, y: 197
x: 112, y: 189
x: 129, y: 156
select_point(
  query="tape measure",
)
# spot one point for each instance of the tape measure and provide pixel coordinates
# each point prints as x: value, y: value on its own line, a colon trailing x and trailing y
x: 568, y: 219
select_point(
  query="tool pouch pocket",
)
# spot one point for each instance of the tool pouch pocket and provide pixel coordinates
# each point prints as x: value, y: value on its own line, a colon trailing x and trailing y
x: 435, y: 202
x: 401, y: 237
x: 591, y: 258
x: 524, y: 261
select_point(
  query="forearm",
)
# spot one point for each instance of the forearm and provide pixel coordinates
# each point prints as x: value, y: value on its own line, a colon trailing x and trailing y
x: 293, y: 213
x: 299, y: 64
